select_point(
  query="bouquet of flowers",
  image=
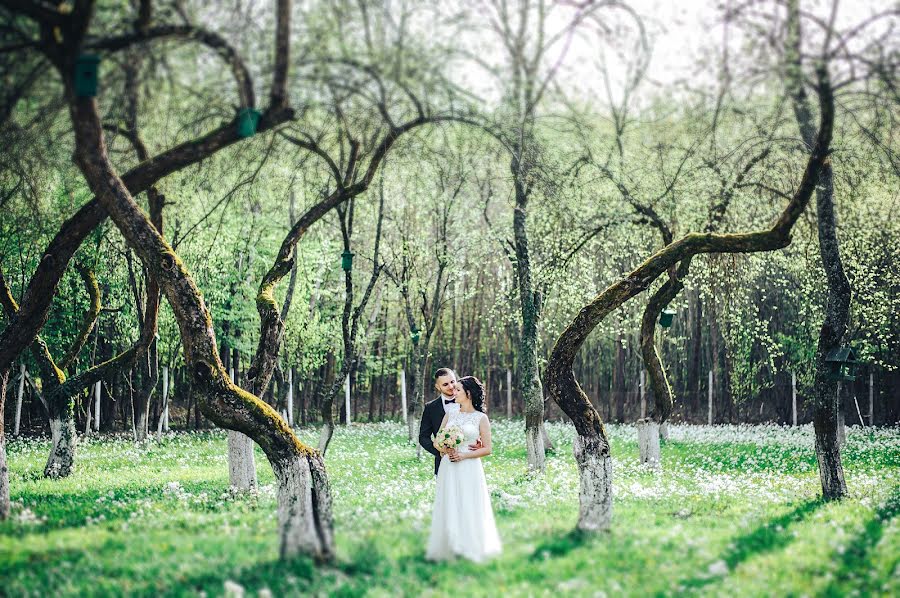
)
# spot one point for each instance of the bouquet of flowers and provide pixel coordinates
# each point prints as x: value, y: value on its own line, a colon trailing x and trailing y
x: 450, y: 437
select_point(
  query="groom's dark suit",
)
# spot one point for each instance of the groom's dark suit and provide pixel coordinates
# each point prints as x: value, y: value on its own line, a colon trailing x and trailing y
x: 432, y: 417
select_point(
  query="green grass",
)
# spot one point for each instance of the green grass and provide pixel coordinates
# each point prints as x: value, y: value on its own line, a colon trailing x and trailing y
x: 735, y: 512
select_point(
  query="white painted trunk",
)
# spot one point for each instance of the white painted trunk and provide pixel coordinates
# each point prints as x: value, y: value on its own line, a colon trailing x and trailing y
x: 664, y: 431
x: 241, y: 464
x: 709, y: 416
x: 87, y: 418
x: 19, y: 393
x: 534, y: 444
x: 648, y: 442
x: 509, y: 393
x: 62, y: 452
x: 403, y: 401
x: 163, y: 424
x: 347, y: 400
x: 325, y: 435
x: 595, y: 491
x: 290, y: 398
x: 97, y: 406
x: 300, y: 525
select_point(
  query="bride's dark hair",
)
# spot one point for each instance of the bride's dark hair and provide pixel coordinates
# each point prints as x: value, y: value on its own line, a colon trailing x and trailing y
x: 475, y: 388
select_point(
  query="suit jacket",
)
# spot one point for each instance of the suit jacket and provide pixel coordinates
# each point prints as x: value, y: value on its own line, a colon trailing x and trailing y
x: 432, y: 416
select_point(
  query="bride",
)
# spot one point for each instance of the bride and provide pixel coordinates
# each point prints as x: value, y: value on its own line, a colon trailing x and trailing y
x: 462, y: 521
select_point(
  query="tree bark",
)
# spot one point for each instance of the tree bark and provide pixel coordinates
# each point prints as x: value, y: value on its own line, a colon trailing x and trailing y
x: 837, y: 303
x: 530, y: 302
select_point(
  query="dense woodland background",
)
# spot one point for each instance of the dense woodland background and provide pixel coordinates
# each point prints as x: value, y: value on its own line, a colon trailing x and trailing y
x: 440, y: 212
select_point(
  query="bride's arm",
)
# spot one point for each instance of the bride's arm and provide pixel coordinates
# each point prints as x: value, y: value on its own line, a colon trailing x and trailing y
x: 485, y: 429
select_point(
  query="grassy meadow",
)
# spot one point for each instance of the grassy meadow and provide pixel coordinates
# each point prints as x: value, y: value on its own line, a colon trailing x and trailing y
x: 734, y: 512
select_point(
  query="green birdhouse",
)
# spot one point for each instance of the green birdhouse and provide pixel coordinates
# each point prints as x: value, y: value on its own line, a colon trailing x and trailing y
x: 347, y: 261
x: 666, y: 317
x: 841, y: 364
x: 86, y: 75
x: 415, y: 336
x: 248, y: 118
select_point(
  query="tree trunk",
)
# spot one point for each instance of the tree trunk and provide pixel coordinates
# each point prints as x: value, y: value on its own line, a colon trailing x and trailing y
x: 241, y: 460
x: 63, y: 435
x: 694, y: 355
x: 826, y: 404
x: 648, y: 441
x: 595, y: 483
x: 4, y: 467
x: 415, y: 402
x: 618, y: 384
x: 837, y: 303
x: 305, y: 525
x: 530, y: 301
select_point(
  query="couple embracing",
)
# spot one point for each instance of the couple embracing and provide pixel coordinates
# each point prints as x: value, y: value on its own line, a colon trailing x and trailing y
x: 456, y: 430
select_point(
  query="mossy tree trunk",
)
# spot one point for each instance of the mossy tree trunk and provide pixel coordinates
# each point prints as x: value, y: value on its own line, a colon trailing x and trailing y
x: 304, y: 509
x: 592, y: 445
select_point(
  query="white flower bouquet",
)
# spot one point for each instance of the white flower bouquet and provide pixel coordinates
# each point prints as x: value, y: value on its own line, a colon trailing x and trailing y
x: 450, y: 437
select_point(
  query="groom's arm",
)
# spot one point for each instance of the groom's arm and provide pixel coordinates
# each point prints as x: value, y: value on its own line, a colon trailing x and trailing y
x: 425, y: 433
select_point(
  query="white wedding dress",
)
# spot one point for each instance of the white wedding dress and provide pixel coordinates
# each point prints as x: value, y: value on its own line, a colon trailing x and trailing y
x: 462, y: 521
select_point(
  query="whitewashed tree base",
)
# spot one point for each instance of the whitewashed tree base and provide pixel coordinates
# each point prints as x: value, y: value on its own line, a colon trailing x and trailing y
x: 62, y: 454
x: 304, y: 509
x: 241, y: 463
x: 664, y: 431
x: 595, y: 491
x: 648, y: 442
x: 534, y: 444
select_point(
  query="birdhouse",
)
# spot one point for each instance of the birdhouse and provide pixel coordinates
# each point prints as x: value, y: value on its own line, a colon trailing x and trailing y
x: 86, y: 69
x: 666, y: 317
x: 841, y: 364
x: 415, y: 335
x: 347, y: 261
x: 248, y: 118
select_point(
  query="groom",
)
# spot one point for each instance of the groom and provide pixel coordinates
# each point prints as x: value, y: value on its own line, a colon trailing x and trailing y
x: 433, y: 415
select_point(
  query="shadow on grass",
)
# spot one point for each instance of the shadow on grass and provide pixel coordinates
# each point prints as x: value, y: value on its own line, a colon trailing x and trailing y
x: 768, y: 537
x: 562, y: 545
x: 282, y: 577
x: 854, y: 567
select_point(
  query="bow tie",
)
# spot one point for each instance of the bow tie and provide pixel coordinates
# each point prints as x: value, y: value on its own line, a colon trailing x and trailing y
x: 450, y: 402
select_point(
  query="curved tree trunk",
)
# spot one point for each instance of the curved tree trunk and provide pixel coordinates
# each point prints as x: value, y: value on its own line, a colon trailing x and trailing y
x: 304, y: 498
x: 664, y: 399
x: 592, y: 446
